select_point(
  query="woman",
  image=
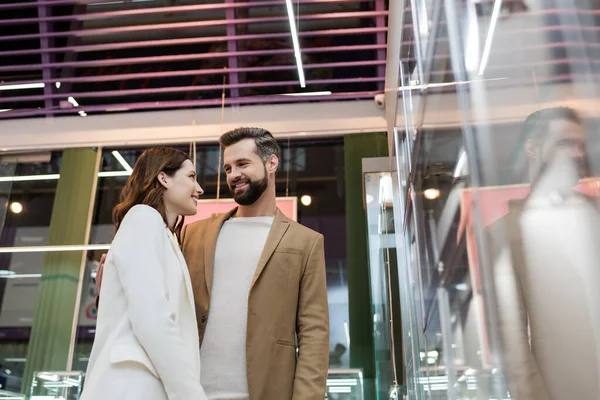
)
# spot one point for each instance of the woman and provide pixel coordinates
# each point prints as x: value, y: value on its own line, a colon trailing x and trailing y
x: 146, y: 345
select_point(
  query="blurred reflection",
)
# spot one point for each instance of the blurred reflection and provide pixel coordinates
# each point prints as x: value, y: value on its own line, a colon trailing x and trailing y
x: 547, y: 274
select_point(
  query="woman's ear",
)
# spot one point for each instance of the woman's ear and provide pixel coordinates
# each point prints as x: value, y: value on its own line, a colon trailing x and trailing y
x: 163, y: 179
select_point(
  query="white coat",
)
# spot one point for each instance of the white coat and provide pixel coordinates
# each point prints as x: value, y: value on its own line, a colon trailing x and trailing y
x: 146, y: 345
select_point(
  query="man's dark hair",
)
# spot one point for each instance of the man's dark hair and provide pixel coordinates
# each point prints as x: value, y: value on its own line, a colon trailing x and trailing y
x: 266, y: 145
x: 536, y: 124
x: 535, y: 128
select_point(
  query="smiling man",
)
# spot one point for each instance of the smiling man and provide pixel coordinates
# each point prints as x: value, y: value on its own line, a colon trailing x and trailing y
x: 259, y: 285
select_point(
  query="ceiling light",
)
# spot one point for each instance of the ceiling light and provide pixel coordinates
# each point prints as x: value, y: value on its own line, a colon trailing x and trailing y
x: 322, y: 93
x: 27, y: 178
x: 73, y: 101
x: 16, y: 207
x: 295, y: 42
x: 83, y: 113
x: 46, y: 249
x: 57, y: 85
x: 40, y: 85
x: 490, y: 35
x: 51, y: 177
x: 5, y: 109
x: 112, y: 174
x: 122, y: 161
x: 431, y: 193
x: 306, y: 200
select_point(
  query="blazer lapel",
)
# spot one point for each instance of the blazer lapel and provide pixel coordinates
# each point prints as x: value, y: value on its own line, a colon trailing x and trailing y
x: 183, y: 266
x: 280, y: 226
x: 210, y: 245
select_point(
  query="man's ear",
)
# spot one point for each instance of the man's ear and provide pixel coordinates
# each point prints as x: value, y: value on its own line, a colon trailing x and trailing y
x: 163, y: 179
x: 530, y: 149
x: 272, y: 164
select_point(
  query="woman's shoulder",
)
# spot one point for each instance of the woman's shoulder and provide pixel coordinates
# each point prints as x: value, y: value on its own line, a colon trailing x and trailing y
x: 142, y: 214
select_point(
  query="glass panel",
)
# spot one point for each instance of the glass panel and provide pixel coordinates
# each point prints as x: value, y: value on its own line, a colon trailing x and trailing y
x: 384, y: 280
x: 503, y: 213
x: 27, y: 189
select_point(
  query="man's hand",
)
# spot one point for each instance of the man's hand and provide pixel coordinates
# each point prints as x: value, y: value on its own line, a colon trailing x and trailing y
x: 99, y: 273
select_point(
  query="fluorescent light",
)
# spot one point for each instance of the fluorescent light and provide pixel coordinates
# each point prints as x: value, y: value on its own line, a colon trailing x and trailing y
x: 26, y: 178
x: 5, y: 109
x: 46, y: 249
x: 40, y: 85
x: 51, y: 177
x: 106, y: 174
x: 122, y: 161
x: 296, y: 43
x: 49, y: 377
x: 21, y: 276
x: 443, y: 84
x: 73, y: 101
x: 490, y: 35
x: 116, y: 2
x: 323, y: 93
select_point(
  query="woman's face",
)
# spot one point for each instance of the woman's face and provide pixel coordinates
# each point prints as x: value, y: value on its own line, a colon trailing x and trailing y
x: 182, y: 190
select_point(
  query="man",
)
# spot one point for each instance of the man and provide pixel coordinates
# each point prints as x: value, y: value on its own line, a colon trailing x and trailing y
x: 544, y: 267
x: 259, y: 285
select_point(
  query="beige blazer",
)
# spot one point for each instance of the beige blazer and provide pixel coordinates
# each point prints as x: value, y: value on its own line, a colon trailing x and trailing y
x: 287, y: 307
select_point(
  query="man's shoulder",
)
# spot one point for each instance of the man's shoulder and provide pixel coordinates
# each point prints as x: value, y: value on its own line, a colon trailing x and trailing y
x: 200, y: 225
x: 302, y: 231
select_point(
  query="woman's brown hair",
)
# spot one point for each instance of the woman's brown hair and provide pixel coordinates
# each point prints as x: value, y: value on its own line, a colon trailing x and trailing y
x: 143, y: 187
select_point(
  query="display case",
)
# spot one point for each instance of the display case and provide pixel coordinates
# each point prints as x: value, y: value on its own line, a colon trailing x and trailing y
x: 50, y: 385
x: 383, y: 277
x: 495, y: 199
x: 345, y: 384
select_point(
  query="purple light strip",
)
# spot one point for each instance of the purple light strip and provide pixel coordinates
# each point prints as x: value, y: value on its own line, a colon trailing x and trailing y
x: 381, y: 39
x: 193, y: 24
x: 179, y: 89
x: 232, y: 61
x: 47, y: 73
x: 193, y: 103
x: 193, y: 72
x: 213, y: 6
x: 186, y: 41
x: 184, y: 57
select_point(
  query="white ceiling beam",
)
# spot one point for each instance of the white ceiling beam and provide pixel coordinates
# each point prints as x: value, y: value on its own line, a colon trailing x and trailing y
x: 304, y: 120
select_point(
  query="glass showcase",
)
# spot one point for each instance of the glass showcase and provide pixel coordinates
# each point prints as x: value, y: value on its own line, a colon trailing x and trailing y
x: 496, y: 199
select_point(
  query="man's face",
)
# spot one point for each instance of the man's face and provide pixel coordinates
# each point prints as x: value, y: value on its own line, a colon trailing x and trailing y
x: 247, y: 176
x: 565, y: 140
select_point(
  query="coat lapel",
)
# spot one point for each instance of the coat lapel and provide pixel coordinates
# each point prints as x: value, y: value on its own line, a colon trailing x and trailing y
x: 280, y: 226
x: 183, y: 266
x: 210, y: 245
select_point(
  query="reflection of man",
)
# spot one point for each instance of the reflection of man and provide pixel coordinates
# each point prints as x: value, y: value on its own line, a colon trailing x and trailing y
x: 546, y: 278
x: 555, y: 140
x: 259, y: 285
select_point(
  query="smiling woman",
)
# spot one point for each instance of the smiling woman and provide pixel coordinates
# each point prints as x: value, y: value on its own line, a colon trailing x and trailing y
x: 164, y: 179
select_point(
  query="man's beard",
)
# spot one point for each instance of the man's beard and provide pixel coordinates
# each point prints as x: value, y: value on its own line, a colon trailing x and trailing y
x: 252, y: 193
